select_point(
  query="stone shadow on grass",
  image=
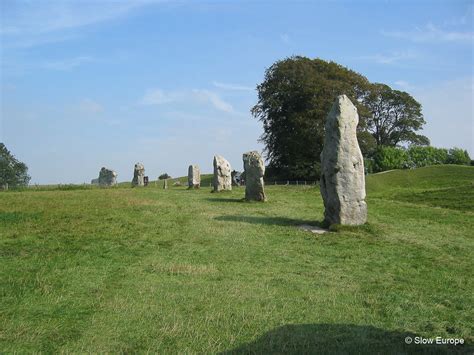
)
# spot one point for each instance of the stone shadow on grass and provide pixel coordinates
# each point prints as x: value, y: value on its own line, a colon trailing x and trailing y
x: 279, y: 221
x: 217, y: 199
x: 341, y: 339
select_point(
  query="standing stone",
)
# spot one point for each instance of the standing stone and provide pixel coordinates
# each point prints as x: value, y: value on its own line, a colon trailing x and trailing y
x: 222, y: 174
x: 342, y: 175
x: 107, y: 177
x: 138, y: 175
x: 194, y: 177
x: 254, y: 169
x: 165, y: 184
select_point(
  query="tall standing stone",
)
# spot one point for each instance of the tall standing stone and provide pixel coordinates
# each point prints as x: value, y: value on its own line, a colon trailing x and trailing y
x: 194, y: 177
x: 254, y: 168
x: 138, y: 175
x: 107, y: 177
x: 342, y: 175
x: 222, y: 174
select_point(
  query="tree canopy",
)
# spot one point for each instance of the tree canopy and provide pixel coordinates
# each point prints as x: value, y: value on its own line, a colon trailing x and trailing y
x: 12, y: 172
x: 164, y: 176
x: 293, y: 102
x: 295, y: 98
x: 394, y: 117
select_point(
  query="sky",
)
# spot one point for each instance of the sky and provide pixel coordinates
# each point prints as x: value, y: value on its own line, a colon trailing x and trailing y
x: 86, y: 84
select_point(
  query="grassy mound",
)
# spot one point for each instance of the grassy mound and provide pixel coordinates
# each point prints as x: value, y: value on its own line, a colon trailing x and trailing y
x: 177, y: 270
x: 447, y: 186
x: 427, y: 178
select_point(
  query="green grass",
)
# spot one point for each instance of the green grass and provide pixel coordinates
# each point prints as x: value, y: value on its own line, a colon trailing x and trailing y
x: 147, y: 269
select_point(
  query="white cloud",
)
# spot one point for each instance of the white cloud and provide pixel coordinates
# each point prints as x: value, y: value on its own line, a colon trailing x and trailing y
x: 456, y: 21
x: 285, y: 37
x: 33, y: 17
x: 431, y: 33
x: 26, y: 23
x: 227, y: 86
x: 213, y: 99
x: 90, y: 106
x: 67, y: 64
x: 160, y: 97
x: 390, y: 58
x: 157, y: 97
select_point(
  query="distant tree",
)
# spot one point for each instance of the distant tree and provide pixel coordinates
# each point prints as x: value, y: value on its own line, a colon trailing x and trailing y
x: 164, y: 176
x: 394, y: 116
x: 458, y: 156
x: 367, y: 143
x: 12, y: 172
x: 424, y: 156
x: 388, y: 158
x: 293, y: 102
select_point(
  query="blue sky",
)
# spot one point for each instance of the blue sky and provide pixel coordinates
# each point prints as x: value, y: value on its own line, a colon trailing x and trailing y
x: 86, y: 84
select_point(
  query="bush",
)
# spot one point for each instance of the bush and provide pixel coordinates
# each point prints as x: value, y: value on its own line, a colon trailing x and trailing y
x: 368, y: 166
x: 299, y: 171
x: 423, y: 156
x: 388, y: 158
x: 13, y: 173
x: 164, y: 176
x: 458, y: 156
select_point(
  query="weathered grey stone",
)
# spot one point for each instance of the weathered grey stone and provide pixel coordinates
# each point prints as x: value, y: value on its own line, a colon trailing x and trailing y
x: 313, y: 229
x: 107, y: 177
x: 95, y: 181
x: 222, y: 174
x: 165, y: 184
x: 254, y: 169
x: 138, y: 175
x: 194, y: 177
x: 342, y: 165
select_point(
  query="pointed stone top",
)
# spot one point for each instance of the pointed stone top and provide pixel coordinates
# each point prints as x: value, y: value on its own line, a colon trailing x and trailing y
x: 343, y: 97
x: 252, y: 153
x: 344, y: 101
x: 343, y: 108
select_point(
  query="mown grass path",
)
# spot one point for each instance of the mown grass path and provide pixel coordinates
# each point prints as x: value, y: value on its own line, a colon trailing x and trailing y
x: 135, y: 270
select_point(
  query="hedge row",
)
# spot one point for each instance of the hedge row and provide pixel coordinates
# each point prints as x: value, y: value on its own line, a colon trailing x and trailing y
x: 388, y: 158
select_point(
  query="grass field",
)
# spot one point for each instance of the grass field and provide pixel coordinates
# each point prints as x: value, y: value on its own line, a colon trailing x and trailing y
x: 147, y: 269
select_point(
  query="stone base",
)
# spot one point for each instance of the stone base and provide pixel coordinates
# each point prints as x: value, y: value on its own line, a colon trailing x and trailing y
x: 351, y: 214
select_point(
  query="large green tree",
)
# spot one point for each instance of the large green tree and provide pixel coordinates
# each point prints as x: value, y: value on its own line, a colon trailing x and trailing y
x: 394, y: 116
x: 293, y: 101
x: 12, y: 172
